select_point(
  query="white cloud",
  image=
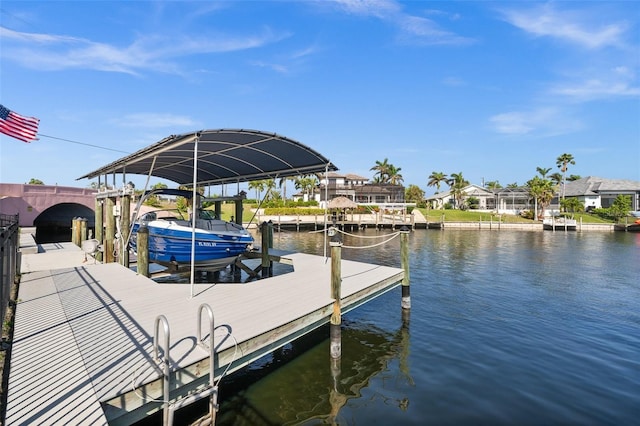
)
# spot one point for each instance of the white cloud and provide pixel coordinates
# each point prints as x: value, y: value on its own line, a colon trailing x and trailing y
x: 154, y: 120
x: 541, y: 122
x: 414, y: 29
x: 582, y: 28
x: 157, y: 53
x: 617, y: 82
x: 454, y: 81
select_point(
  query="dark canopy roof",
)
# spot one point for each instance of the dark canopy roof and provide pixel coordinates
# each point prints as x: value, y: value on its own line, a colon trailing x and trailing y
x: 224, y: 156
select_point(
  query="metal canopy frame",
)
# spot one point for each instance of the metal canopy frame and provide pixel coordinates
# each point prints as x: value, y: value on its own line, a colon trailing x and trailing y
x: 214, y: 157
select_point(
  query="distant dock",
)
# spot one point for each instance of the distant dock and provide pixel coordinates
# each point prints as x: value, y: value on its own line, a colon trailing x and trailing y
x: 83, y: 346
x: 347, y: 221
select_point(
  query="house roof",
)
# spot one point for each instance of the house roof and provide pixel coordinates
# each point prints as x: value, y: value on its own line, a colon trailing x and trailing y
x: 469, y: 190
x: 223, y: 156
x: 592, y: 185
x: 348, y: 176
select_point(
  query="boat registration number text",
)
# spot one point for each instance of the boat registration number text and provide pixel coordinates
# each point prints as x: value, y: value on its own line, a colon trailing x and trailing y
x: 206, y: 244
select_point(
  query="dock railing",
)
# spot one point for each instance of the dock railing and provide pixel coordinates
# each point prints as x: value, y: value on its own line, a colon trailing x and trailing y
x: 9, y: 242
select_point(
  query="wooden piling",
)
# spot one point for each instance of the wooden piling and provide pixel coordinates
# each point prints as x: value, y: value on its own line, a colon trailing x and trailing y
x: 264, y: 231
x: 83, y: 229
x: 99, y: 227
x: 125, y: 224
x: 404, y: 260
x: 110, y: 231
x: 142, y: 246
x: 335, y: 346
x: 238, y: 217
x: 74, y: 231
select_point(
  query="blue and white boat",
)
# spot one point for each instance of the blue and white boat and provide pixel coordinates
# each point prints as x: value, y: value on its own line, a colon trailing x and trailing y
x: 172, y: 237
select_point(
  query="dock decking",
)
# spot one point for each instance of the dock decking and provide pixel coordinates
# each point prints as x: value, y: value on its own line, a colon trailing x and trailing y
x: 83, y: 336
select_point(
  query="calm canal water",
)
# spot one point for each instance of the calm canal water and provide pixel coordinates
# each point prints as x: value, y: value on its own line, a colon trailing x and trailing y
x: 509, y: 327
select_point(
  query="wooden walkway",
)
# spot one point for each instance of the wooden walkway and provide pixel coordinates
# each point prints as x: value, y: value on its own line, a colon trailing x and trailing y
x: 83, y: 339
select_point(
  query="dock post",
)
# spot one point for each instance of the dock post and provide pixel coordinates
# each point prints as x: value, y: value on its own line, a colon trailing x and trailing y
x: 142, y: 246
x: 125, y: 219
x: 110, y: 232
x: 83, y: 230
x: 270, y: 247
x: 239, y: 208
x: 99, y: 227
x: 74, y: 231
x: 336, y: 281
x: 404, y: 260
x: 265, y: 231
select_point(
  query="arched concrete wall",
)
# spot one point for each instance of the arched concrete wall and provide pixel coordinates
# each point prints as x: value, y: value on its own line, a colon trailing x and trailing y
x: 29, y: 201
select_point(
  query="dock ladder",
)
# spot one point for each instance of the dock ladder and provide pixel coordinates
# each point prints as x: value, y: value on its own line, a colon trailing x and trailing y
x: 210, y: 391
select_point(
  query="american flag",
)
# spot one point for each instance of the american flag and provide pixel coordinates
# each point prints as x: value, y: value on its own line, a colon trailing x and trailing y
x: 18, y: 126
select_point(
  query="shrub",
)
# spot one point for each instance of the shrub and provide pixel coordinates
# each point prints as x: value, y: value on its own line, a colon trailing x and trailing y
x: 527, y: 214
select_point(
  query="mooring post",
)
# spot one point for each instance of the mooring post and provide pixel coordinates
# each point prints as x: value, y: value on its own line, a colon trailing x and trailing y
x: 404, y: 260
x: 218, y: 209
x: 83, y: 230
x: 125, y: 222
x: 270, y: 247
x: 336, y: 282
x: 99, y: 227
x: 142, y: 248
x: 264, y: 230
x: 74, y: 231
x: 239, y: 210
x: 110, y: 231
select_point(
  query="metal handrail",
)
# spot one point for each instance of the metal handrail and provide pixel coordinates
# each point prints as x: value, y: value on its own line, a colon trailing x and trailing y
x: 165, y: 325
x: 201, y: 343
x: 210, y: 391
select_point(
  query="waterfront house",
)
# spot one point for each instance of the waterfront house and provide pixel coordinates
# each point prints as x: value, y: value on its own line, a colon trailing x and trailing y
x: 595, y: 192
x: 358, y: 189
x: 486, y: 198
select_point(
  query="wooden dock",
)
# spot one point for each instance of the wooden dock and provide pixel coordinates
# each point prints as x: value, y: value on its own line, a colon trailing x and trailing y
x: 83, y: 339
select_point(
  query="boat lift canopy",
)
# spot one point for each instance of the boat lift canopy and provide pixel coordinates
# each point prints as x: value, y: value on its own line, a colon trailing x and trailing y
x: 214, y: 157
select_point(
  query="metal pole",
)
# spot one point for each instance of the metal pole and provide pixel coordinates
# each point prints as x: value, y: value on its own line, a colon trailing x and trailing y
x: 193, y: 213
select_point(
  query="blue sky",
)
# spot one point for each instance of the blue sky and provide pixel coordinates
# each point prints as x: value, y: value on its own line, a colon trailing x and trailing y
x: 490, y: 89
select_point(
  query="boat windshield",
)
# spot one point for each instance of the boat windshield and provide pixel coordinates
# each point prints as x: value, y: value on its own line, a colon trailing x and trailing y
x: 207, y: 214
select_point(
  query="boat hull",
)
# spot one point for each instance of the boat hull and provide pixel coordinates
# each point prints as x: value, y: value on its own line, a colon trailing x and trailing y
x: 171, y: 245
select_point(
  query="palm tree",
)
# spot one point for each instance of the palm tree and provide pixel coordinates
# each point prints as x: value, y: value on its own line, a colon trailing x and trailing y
x: 282, y: 183
x: 563, y: 162
x: 457, y: 183
x: 494, y: 184
x: 556, y: 178
x: 435, y: 179
x: 542, y: 190
x: 306, y: 184
x: 382, y: 170
x: 543, y: 172
x: 393, y: 175
x: 259, y: 186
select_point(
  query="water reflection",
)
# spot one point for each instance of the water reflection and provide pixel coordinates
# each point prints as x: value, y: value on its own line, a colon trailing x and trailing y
x: 309, y: 387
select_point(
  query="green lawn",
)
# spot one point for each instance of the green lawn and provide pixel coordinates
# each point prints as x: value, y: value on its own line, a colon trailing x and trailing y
x: 474, y: 216
x: 436, y: 215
